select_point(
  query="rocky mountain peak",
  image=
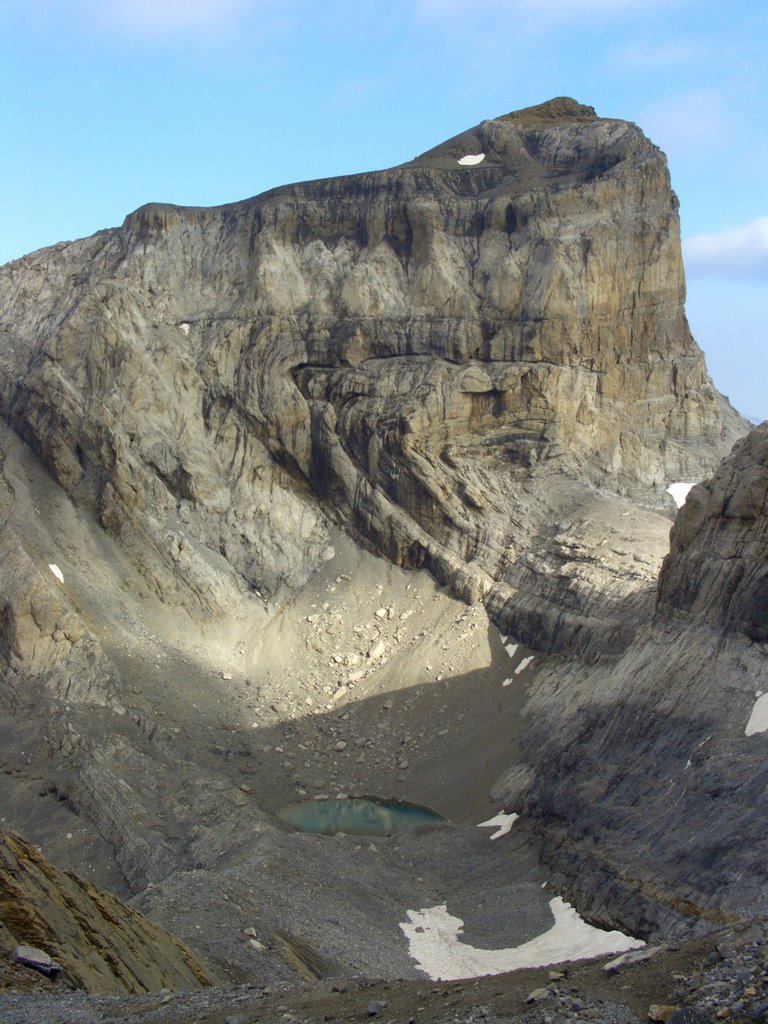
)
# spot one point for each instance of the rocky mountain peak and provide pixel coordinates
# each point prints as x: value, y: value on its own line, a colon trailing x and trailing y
x: 561, y: 108
x: 413, y: 353
x: 287, y: 484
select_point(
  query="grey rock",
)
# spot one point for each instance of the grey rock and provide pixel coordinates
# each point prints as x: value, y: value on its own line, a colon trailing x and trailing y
x: 31, y: 956
x: 537, y: 995
x: 690, y: 1015
x: 359, y: 325
x: 633, y: 956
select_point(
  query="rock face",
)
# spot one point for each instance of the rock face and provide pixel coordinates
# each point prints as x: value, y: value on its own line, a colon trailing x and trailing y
x: 98, y: 943
x: 716, y: 570
x: 481, y: 369
x: 646, y: 773
x: 429, y: 351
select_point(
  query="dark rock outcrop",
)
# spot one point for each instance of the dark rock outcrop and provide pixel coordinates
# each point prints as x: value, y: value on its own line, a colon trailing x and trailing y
x: 96, y: 941
x: 717, y: 570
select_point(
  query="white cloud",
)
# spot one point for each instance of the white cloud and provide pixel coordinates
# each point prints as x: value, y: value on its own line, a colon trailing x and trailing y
x: 153, y: 18
x: 541, y: 14
x: 738, y: 252
x: 165, y: 17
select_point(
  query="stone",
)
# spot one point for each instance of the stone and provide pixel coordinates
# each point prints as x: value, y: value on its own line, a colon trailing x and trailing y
x: 690, y: 1015
x: 486, y: 374
x: 710, y: 571
x: 633, y: 956
x: 375, y: 1006
x: 537, y: 995
x: 31, y: 956
x: 661, y: 1012
x: 528, y: 261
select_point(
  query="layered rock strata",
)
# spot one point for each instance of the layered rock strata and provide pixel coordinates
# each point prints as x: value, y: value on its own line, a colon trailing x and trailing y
x: 647, y: 774
x: 428, y: 350
x: 95, y: 941
x: 479, y: 369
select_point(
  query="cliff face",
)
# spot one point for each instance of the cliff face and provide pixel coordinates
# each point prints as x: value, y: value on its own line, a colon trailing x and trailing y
x: 716, y: 570
x: 424, y: 349
x: 478, y: 368
x: 98, y: 943
x: 646, y: 775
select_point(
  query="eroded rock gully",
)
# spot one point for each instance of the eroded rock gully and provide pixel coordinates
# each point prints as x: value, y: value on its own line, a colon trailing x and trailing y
x: 360, y: 486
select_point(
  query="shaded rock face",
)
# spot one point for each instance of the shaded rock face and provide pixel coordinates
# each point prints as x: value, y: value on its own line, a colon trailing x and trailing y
x: 716, y: 569
x: 99, y: 943
x: 646, y: 774
x: 428, y: 350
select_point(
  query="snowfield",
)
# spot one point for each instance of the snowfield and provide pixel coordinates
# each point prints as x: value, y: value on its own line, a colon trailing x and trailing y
x: 434, y: 943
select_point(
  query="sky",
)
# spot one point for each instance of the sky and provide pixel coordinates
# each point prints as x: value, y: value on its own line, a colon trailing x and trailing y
x: 109, y: 104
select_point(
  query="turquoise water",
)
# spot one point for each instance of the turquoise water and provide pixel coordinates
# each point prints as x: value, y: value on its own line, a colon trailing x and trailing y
x: 359, y: 816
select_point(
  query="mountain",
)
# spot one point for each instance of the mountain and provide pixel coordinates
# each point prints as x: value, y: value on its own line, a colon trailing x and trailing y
x: 361, y: 486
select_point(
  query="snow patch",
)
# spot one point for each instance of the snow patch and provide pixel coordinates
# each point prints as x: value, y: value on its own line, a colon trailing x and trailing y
x: 472, y: 159
x: 434, y: 943
x: 758, y: 720
x: 502, y: 823
x: 507, y: 682
x: 523, y: 664
x: 184, y: 327
x: 56, y: 571
x: 679, y: 492
x: 511, y: 649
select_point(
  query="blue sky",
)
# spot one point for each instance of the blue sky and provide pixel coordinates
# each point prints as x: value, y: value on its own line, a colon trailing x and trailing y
x: 108, y: 104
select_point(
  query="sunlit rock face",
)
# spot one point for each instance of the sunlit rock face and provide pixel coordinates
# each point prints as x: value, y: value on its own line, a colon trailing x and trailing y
x: 439, y: 355
x: 97, y: 942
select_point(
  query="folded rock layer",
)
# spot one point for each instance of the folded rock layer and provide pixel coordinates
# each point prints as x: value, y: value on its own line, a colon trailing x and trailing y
x: 428, y: 350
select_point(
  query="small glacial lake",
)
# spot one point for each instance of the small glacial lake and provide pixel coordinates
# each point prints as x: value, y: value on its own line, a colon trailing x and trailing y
x: 358, y: 816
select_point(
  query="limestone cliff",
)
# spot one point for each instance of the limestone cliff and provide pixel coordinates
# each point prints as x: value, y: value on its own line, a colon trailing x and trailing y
x: 478, y: 368
x: 430, y: 351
